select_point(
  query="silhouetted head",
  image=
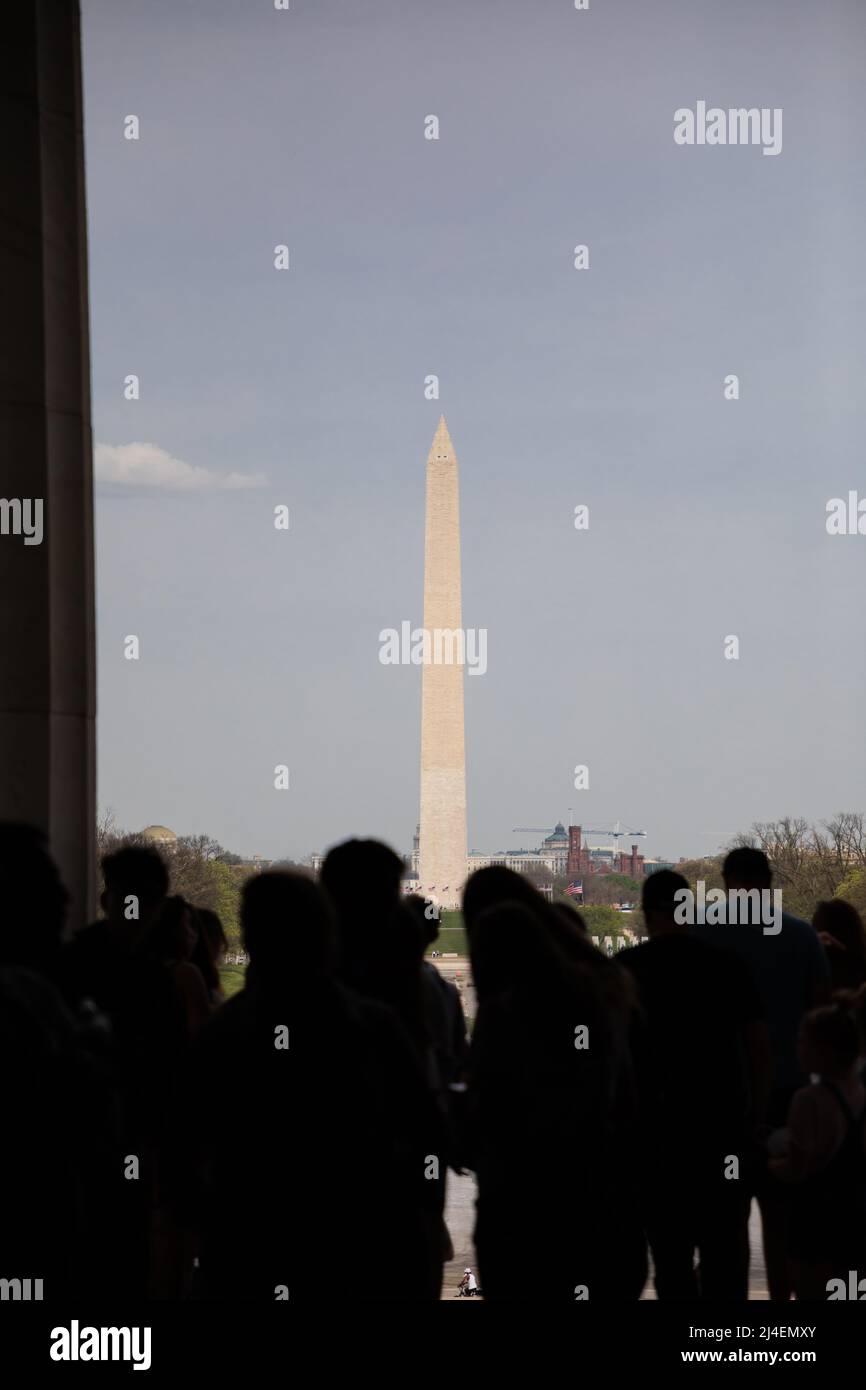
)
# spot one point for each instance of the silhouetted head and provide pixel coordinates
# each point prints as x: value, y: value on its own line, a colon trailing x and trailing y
x: 854, y: 1000
x: 362, y: 871
x: 571, y: 917
x: 659, y: 902
x: 173, y: 931
x: 287, y: 928
x: 212, y: 934
x: 133, y: 872
x: 362, y: 879
x: 843, y: 922
x: 503, y: 948
x: 33, y: 900
x: 829, y: 1041
x: 426, y: 914
x: 747, y: 868
x: 493, y: 885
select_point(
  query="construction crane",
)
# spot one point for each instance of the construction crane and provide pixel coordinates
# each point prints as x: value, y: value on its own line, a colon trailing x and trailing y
x: 615, y: 832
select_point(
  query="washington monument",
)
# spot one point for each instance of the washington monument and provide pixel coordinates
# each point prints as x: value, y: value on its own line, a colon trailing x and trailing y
x: 442, y: 847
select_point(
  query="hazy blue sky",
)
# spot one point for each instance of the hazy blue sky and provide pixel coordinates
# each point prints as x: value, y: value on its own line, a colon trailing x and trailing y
x: 604, y: 386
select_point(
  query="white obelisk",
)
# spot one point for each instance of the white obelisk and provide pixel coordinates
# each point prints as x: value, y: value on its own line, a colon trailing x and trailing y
x: 442, y: 847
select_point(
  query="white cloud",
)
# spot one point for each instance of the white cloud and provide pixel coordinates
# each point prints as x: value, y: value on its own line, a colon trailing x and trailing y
x: 148, y: 466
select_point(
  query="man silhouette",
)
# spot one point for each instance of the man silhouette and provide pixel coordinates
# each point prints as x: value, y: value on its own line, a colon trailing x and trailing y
x: 698, y: 1065
x: 790, y: 971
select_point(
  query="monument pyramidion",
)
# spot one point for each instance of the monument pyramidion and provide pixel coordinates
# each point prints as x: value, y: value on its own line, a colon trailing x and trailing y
x: 442, y: 844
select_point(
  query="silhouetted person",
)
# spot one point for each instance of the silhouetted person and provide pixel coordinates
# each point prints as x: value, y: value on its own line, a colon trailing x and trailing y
x: 571, y: 917
x: 843, y: 936
x: 547, y: 1139
x: 494, y: 885
x: 46, y: 1110
x: 491, y: 886
x: 107, y: 965
x: 308, y: 1102
x: 173, y: 938
x: 791, y: 973
x: 700, y: 1055
x: 362, y: 879
x: 214, y: 943
x: 59, y: 1119
x: 446, y: 1024
x: 33, y: 902
x: 825, y: 1156
x: 381, y: 941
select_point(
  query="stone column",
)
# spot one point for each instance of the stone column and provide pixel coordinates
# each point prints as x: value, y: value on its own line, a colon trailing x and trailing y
x: 47, y: 638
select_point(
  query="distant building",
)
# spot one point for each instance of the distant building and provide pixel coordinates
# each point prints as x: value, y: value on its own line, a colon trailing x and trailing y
x: 652, y: 866
x: 520, y: 860
x: 563, y: 852
x: 549, y: 859
x: 583, y: 861
x: 256, y: 863
x: 555, y: 848
x: 161, y: 837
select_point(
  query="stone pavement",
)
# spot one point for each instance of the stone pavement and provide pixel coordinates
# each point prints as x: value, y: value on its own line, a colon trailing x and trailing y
x: 460, y: 1216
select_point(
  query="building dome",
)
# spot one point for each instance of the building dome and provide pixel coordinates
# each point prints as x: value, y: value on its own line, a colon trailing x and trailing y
x: 160, y: 834
x: 559, y: 835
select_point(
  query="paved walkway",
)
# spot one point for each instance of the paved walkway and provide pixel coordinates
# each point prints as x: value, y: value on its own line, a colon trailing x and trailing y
x: 460, y: 1216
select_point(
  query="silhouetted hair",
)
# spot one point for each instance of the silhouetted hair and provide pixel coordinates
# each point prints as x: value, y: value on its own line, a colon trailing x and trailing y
x: 166, y: 937
x: 660, y: 890
x: 493, y: 885
x: 287, y: 927
x: 203, y: 955
x: 504, y: 946
x: 747, y: 866
x: 362, y: 872
x: 136, y: 871
x: 571, y: 917
x: 33, y: 900
x: 854, y: 1000
x: 429, y: 923
x: 842, y: 920
x: 833, y: 1033
x: 212, y: 932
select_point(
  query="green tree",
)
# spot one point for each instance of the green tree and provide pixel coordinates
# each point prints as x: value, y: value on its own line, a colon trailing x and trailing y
x: 601, y: 920
x: 709, y: 870
x: 610, y: 888
x: 853, y: 890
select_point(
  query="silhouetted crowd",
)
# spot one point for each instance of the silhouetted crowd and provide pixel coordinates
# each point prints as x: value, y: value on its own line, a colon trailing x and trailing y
x: 294, y: 1141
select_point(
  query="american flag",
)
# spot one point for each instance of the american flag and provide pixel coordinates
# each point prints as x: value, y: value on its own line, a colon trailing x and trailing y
x: 575, y: 888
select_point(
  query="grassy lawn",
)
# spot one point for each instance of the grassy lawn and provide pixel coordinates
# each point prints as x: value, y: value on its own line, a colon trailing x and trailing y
x: 232, y: 979
x: 451, y: 939
x: 452, y: 934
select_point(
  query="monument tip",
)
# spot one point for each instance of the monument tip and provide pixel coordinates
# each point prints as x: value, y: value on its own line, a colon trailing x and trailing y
x: 441, y: 446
